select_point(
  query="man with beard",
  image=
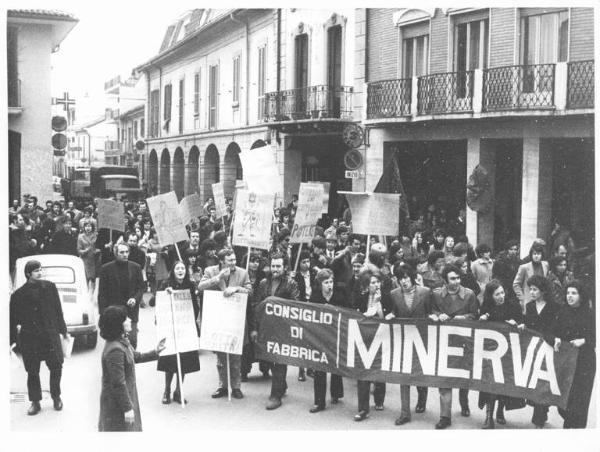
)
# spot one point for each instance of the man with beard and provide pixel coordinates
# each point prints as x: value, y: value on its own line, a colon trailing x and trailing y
x: 277, y: 284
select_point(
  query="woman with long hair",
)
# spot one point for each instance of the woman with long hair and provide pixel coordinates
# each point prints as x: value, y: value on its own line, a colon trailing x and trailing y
x: 576, y: 324
x: 541, y: 315
x: 86, y: 248
x: 324, y: 293
x: 119, y: 404
x: 559, y: 276
x: 190, y: 362
x: 497, y: 307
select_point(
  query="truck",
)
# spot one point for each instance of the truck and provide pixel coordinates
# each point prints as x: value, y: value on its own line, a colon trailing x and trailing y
x: 88, y: 183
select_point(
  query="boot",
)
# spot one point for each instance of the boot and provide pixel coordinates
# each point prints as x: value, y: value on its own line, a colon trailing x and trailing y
x: 500, y: 413
x: 489, y: 416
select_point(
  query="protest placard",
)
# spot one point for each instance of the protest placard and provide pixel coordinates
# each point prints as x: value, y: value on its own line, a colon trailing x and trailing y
x: 190, y: 207
x: 492, y: 357
x: 219, y: 197
x: 260, y: 170
x: 176, y: 321
x: 223, y: 322
x: 326, y: 187
x: 310, y: 206
x: 111, y: 214
x: 252, y: 220
x: 374, y: 213
x: 169, y: 226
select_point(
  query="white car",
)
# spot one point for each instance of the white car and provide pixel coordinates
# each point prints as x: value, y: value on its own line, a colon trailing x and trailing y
x: 68, y: 273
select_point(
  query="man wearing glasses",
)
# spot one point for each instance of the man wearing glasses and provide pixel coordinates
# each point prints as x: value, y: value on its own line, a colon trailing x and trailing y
x: 453, y: 301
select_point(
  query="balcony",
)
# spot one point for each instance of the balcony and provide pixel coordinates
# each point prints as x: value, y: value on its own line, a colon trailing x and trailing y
x: 519, y: 87
x: 580, y: 84
x: 312, y: 102
x: 389, y: 98
x: 111, y: 145
x: 540, y: 90
x: 448, y: 92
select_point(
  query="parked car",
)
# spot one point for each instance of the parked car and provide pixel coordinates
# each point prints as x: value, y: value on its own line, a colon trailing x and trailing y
x: 78, y: 304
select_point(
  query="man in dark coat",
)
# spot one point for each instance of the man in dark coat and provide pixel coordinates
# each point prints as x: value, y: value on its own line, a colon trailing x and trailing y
x: 122, y: 284
x: 63, y: 241
x: 36, y: 320
x: 277, y: 284
x: 506, y: 267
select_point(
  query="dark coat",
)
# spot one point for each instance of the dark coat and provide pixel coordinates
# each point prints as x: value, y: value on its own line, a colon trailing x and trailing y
x: 302, y: 284
x: 545, y: 322
x: 337, y: 299
x: 109, y: 290
x: 36, y: 307
x: 504, y: 270
x: 62, y: 243
x: 465, y: 304
x: 421, y: 305
x: 119, y: 390
x: 579, y: 323
x: 190, y: 361
x: 287, y: 289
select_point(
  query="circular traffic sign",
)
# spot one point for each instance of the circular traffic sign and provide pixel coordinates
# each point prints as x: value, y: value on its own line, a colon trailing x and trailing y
x: 353, y: 159
x: 139, y: 145
x: 59, y: 141
x: 59, y: 123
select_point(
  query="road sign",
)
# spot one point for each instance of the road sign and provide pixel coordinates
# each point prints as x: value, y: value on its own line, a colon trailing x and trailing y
x: 59, y: 141
x: 353, y: 159
x: 352, y: 174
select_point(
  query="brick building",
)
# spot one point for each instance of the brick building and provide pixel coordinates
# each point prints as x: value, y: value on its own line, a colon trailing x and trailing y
x: 509, y: 89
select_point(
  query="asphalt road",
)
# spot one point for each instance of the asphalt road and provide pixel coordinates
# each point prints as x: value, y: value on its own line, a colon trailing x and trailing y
x: 81, y: 394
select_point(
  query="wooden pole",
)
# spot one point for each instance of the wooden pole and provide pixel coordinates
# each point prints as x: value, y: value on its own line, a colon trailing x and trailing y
x: 178, y: 253
x: 228, y: 379
x: 368, y: 246
x: 298, y: 258
x: 248, y: 259
x: 179, y: 378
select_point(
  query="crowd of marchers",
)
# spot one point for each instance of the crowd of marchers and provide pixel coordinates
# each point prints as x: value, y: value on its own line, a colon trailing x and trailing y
x: 426, y: 272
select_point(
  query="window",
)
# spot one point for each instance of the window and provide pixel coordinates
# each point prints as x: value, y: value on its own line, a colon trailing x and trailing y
x: 197, y: 94
x: 154, y: 112
x: 236, y: 81
x: 167, y: 106
x: 415, y: 56
x: 544, y: 38
x: 301, y: 61
x: 129, y: 136
x: 181, y: 103
x: 213, y: 92
x: 13, y: 67
x: 262, y: 79
x: 59, y: 275
x: 471, y: 45
x: 142, y: 124
x: 135, y: 130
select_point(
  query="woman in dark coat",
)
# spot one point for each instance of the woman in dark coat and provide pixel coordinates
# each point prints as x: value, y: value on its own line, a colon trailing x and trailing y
x: 324, y: 293
x: 541, y: 315
x: 467, y: 279
x: 576, y: 324
x: 371, y: 303
x: 496, y: 307
x: 119, y: 405
x: 190, y: 362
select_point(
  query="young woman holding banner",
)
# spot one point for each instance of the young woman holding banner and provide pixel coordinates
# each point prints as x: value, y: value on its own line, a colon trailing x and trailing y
x: 190, y: 362
x: 497, y: 308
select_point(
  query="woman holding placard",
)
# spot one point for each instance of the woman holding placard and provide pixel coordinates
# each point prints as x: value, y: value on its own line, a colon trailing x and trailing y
x: 190, y: 362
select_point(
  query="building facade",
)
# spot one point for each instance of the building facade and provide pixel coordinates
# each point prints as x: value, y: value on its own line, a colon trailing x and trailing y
x: 32, y: 37
x: 508, y: 89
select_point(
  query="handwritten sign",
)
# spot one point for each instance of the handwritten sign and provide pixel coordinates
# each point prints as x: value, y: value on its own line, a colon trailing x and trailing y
x: 111, y: 214
x: 169, y: 226
x: 310, y: 205
x: 219, y: 197
x: 176, y: 321
x: 190, y: 207
x: 253, y: 215
x: 223, y: 322
x: 374, y: 213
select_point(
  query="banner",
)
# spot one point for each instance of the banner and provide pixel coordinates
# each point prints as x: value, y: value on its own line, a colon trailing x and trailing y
x: 180, y: 319
x: 164, y: 210
x: 219, y: 197
x: 310, y: 206
x: 260, y: 170
x: 111, y: 214
x: 252, y: 222
x: 483, y: 356
x: 223, y: 322
x: 374, y: 213
x: 326, y: 187
x: 190, y: 207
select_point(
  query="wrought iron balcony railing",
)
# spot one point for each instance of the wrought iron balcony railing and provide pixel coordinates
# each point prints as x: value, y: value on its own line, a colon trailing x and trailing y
x: 448, y: 92
x: 14, y: 93
x: 312, y: 102
x: 389, y: 98
x: 518, y: 87
x: 580, y: 84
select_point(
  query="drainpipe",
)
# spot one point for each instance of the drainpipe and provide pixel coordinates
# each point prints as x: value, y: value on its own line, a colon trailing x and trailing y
x: 246, y: 33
